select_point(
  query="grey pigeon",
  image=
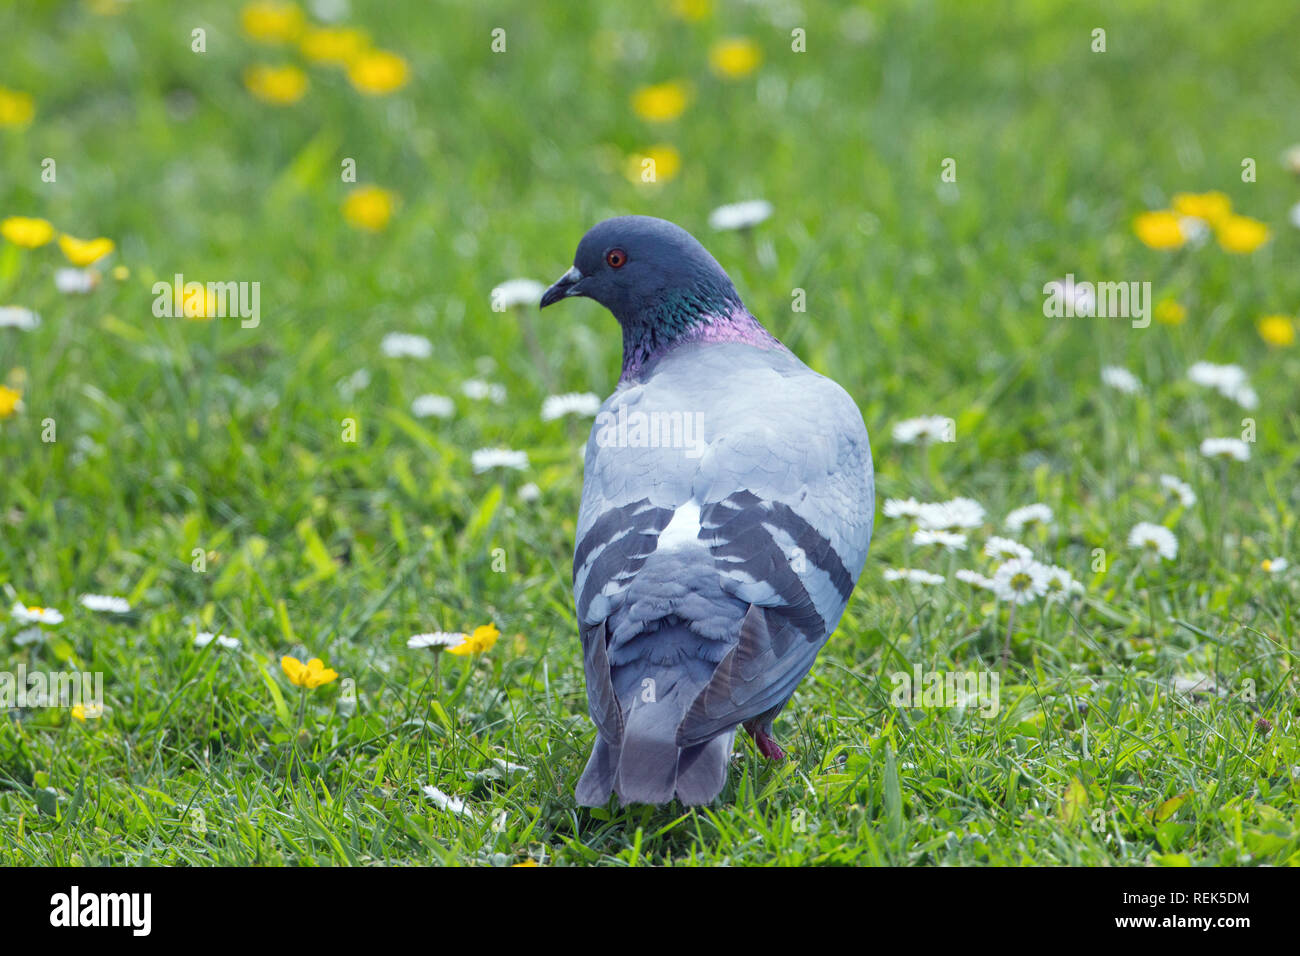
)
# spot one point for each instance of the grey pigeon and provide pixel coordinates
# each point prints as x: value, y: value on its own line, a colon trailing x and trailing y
x: 726, y: 513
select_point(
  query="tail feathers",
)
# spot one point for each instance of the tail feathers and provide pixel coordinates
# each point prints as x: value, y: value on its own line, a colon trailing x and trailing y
x: 597, y: 781
x: 702, y: 770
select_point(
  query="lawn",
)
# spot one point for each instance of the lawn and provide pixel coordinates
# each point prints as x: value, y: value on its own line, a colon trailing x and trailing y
x: 378, y: 168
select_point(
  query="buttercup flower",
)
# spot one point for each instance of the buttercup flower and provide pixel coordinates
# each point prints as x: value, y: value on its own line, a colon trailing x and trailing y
x: 369, y: 208
x: 661, y: 102
x: 378, y: 72
x: 26, y: 231
x: 11, y: 401
x: 1277, y: 330
x: 1169, y: 312
x: 271, y: 22
x: 585, y: 404
x: 278, y: 85
x: 1226, y: 448
x: 36, y: 615
x: 1241, y: 234
x: 735, y: 57
x: 1159, y: 230
x: 85, y: 252
x: 1154, y: 539
x: 658, y: 164
x: 1212, y: 207
x: 333, y: 45
x: 16, y: 108
x: 482, y: 639
x: 310, y: 675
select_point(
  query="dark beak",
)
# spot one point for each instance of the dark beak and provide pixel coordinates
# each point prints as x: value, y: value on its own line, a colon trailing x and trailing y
x: 564, y: 287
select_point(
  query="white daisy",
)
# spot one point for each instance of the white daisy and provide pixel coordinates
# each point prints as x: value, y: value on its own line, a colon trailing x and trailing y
x: 1230, y: 381
x: 1121, y: 379
x: 530, y: 492
x: 1020, y: 580
x: 76, y: 281
x: 433, y: 406
x: 204, y: 638
x: 1275, y: 565
x: 480, y: 390
x: 16, y: 317
x: 436, y: 639
x: 106, y: 603
x: 925, y: 429
x: 740, y: 215
x: 514, y: 292
x: 947, y: 515
x: 1291, y: 159
x: 913, y: 576
x: 1226, y: 448
x: 1294, y: 215
x: 358, y: 380
x: 406, y: 345
x: 1020, y: 517
x: 950, y: 540
x: 36, y: 615
x: 585, y: 404
x: 1085, y: 299
x: 30, y: 635
x: 1155, y: 539
x: 974, y: 578
x: 900, y: 508
x: 1060, y: 581
x: 1004, y: 549
x: 1181, y: 489
x: 484, y: 459
x: 445, y: 802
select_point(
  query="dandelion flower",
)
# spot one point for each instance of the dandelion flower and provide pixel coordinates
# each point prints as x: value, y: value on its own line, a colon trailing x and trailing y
x: 1160, y: 230
x: 1121, y: 379
x: 482, y: 639
x: 204, y: 638
x: 1277, y: 330
x: 16, y: 317
x: 311, y: 675
x: 1004, y: 549
x: 515, y: 292
x: 26, y: 231
x: 1018, y: 519
x: 271, y: 22
x: 740, y: 215
x: 485, y: 459
x: 913, y: 576
x: 1241, y: 234
x: 437, y: 640
x: 106, y: 603
x: 378, y: 72
x: 585, y: 404
x: 735, y: 57
x: 660, y: 103
x: 925, y: 429
x: 278, y: 85
x: 36, y: 615
x: 433, y: 406
x: 85, y: 252
x: 1154, y: 539
x: 405, y: 345
x: 1180, y: 489
x: 901, y: 508
x: 950, y: 540
x: 1226, y: 448
x: 369, y: 208
x: 1020, y: 580
x: 479, y: 390
x: 16, y: 108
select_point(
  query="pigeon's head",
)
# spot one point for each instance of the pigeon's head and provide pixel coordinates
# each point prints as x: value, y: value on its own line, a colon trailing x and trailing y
x: 653, y: 275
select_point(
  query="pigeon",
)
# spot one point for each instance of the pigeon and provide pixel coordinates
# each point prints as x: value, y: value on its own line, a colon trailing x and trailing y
x: 727, y: 507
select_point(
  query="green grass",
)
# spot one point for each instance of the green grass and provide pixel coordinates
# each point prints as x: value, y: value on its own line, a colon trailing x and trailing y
x: 174, y: 436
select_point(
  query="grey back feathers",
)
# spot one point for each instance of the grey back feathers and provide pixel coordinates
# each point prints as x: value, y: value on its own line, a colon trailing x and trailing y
x: 726, y: 513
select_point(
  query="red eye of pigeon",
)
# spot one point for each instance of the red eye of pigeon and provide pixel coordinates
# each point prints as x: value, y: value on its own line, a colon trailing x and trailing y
x: 616, y: 258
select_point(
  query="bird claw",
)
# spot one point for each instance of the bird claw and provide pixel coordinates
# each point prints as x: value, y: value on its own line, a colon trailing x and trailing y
x: 766, y: 744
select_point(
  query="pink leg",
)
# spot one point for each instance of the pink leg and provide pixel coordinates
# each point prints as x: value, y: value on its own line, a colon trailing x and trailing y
x: 765, y: 742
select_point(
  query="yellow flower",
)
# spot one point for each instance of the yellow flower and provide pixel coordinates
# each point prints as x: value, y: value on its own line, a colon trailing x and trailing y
x: 1159, y: 230
x: 658, y: 164
x: 481, y: 640
x: 195, y: 301
x: 23, y: 231
x: 1277, y: 330
x: 369, y: 208
x: 10, y: 399
x: 660, y: 103
x: 1213, y: 207
x: 1242, y: 234
x: 692, y: 10
x: 528, y: 862
x: 85, y: 252
x: 79, y: 712
x: 735, y: 57
x: 281, y: 85
x: 16, y: 108
x: 310, y: 675
x: 378, y: 72
x: 336, y: 45
x: 272, y: 22
x: 1170, y: 312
